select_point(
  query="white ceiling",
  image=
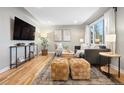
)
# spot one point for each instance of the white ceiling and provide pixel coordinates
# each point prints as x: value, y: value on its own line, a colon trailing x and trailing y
x: 62, y: 15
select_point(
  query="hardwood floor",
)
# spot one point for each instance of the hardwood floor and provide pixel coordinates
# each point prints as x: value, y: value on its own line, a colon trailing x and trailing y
x: 114, y: 74
x: 26, y: 73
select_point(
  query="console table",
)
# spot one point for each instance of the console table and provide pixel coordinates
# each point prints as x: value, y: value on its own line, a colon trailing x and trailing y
x: 110, y: 55
x: 26, y: 58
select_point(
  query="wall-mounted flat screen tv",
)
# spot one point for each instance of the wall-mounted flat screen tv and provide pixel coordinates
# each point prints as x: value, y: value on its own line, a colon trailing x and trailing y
x: 23, y: 30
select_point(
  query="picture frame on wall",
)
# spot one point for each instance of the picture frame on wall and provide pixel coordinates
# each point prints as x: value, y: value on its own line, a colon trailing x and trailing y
x: 58, y: 35
x: 66, y: 35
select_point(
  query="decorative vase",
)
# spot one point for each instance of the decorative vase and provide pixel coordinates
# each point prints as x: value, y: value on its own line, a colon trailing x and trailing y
x: 44, y: 52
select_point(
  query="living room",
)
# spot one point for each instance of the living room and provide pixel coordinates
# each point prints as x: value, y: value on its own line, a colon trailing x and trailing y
x: 84, y: 33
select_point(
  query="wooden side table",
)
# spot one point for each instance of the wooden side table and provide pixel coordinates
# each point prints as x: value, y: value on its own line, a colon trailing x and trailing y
x: 111, y: 55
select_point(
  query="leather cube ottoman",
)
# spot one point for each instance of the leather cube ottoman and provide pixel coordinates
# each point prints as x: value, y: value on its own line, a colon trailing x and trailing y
x: 60, y: 69
x: 80, y: 68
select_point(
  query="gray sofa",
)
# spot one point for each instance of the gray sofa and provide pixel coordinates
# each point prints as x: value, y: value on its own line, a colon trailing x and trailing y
x: 92, y: 56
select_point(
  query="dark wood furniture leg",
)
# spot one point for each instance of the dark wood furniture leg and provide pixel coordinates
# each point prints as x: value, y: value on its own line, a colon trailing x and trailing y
x: 99, y: 62
x: 25, y: 53
x: 10, y: 57
x: 108, y: 66
x: 119, y: 67
x: 16, y: 58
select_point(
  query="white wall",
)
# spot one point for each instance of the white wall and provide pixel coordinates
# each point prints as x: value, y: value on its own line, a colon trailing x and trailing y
x: 77, y: 32
x: 120, y: 38
x: 6, y: 27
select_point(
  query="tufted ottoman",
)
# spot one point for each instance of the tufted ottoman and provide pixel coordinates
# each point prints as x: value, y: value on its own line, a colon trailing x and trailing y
x: 59, y: 69
x: 80, y: 68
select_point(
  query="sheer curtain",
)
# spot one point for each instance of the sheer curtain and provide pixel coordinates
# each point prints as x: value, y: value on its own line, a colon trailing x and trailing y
x: 109, y: 24
x: 87, y: 35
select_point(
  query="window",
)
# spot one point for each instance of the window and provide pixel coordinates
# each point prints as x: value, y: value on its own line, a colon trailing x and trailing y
x: 97, y: 32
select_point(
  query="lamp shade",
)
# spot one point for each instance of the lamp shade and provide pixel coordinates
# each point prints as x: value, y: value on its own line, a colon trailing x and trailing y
x: 97, y: 40
x: 81, y: 40
x: 111, y: 38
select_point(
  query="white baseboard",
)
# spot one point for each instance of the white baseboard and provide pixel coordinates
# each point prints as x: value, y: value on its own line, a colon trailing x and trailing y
x: 4, y: 69
x: 116, y: 68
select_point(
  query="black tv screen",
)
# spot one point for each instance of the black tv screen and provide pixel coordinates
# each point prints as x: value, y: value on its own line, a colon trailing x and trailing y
x: 23, y: 30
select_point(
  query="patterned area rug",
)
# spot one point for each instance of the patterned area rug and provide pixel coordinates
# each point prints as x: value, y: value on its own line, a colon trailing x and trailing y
x: 97, y: 78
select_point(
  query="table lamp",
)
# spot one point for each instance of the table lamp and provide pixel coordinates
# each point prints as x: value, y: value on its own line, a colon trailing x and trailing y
x: 81, y: 40
x: 97, y: 41
x: 111, y: 38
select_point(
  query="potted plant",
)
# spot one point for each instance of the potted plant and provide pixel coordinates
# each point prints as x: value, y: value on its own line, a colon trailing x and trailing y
x: 44, y: 44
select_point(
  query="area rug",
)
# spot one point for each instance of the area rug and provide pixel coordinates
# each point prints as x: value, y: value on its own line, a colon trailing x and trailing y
x: 97, y: 78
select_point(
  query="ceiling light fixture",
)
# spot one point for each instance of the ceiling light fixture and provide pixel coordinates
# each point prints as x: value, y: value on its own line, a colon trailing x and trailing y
x: 49, y: 22
x: 75, y: 21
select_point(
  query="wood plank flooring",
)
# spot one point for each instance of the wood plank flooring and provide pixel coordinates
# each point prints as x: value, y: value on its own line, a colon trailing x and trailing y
x: 26, y: 73
x: 114, y: 74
